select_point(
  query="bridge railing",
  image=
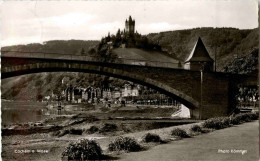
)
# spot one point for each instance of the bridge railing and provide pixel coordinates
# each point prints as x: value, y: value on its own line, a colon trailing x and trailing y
x: 89, y: 58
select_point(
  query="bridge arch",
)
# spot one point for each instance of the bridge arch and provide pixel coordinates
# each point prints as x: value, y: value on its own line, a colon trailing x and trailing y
x: 96, y: 68
x: 214, y: 98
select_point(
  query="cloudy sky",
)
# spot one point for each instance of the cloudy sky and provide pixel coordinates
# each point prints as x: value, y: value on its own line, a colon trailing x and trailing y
x: 24, y: 22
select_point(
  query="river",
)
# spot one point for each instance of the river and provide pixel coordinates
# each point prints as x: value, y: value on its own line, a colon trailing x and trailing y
x: 25, y: 111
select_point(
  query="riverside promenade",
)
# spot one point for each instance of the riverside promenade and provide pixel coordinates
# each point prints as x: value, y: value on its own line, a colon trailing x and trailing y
x: 237, y: 143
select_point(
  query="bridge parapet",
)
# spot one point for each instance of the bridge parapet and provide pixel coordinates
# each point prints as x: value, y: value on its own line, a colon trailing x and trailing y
x: 91, y: 58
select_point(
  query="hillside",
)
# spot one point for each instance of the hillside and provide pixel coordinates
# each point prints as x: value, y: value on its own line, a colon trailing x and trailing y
x: 230, y: 42
x: 244, y: 65
x: 139, y: 54
x: 37, y: 86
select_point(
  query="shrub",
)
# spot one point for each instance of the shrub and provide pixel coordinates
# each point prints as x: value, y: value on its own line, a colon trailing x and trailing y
x: 151, y: 138
x: 250, y: 116
x: 124, y: 143
x: 83, y: 150
x: 254, y: 116
x: 196, y: 128
x: 215, y: 123
x: 180, y: 133
x: 226, y: 122
x: 108, y: 128
x: 246, y: 117
x: 76, y: 131
x: 68, y: 131
x: 92, y: 130
x: 236, y: 120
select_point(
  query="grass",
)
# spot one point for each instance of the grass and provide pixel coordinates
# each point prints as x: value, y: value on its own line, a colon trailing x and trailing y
x: 134, y: 53
x: 124, y: 144
x: 108, y: 128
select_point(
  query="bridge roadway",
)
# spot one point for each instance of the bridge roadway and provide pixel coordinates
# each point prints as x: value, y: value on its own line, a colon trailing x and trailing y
x: 216, y: 98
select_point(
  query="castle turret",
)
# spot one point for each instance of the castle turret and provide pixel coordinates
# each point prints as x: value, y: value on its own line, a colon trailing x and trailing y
x: 130, y: 26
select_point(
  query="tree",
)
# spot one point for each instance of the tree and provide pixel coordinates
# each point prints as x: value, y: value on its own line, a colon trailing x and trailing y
x: 92, y: 51
x: 82, y: 52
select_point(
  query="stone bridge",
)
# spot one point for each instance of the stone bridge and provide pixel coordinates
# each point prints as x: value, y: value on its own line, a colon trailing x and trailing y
x: 211, y: 97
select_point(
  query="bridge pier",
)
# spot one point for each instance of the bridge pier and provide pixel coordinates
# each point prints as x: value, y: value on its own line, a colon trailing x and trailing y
x: 208, y: 112
x: 194, y: 114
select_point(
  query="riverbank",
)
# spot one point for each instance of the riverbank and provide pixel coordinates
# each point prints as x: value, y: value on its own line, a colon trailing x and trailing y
x: 55, y: 145
x: 56, y: 131
x: 48, y: 119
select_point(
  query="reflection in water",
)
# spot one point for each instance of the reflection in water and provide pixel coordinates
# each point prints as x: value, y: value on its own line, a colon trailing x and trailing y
x: 28, y: 115
x: 26, y: 111
x: 21, y: 116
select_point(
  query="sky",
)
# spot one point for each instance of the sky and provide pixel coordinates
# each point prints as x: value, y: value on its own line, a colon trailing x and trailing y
x: 24, y: 22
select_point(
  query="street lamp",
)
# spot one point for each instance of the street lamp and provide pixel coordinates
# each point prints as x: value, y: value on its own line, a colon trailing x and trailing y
x: 215, y: 56
x: 202, y: 66
x: 215, y: 59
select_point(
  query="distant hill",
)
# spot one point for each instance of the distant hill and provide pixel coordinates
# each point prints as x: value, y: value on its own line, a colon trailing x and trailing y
x: 55, y: 46
x: 231, y: 42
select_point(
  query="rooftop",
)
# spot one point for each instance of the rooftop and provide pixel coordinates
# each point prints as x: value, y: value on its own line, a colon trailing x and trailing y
x: 199, y: 53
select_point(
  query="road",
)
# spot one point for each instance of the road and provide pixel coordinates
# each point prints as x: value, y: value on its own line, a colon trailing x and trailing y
x: 215, y: 146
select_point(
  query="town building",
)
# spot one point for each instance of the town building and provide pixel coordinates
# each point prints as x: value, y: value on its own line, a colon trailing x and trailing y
x: 130, y: 90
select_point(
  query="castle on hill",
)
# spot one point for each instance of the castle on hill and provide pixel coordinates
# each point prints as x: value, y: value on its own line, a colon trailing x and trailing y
x: 129, y: 38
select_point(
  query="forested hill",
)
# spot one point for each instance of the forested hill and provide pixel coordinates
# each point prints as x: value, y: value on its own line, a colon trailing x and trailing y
x: 56, y: 46
x: 244, y: 65
x: 230, y: 42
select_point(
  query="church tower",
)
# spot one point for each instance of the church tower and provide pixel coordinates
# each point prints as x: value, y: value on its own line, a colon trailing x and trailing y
x: 130, y: 26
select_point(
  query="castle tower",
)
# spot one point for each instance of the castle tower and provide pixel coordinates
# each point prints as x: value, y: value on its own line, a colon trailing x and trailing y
x: 130, y: 26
